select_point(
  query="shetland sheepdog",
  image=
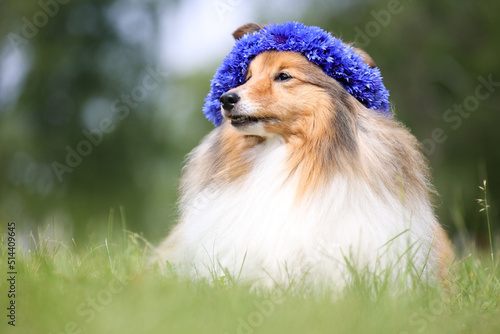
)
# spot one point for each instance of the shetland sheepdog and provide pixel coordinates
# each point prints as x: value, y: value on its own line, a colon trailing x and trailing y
x: 302, y: 183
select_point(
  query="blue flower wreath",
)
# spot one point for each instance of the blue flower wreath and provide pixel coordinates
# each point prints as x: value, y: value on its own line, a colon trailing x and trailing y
x: 335, y: 58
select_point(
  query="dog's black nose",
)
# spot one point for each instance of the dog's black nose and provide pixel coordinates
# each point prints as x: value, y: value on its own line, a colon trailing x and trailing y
x: 228, y: 100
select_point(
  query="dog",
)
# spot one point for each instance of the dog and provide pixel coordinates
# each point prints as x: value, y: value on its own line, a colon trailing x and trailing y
x: 302, y: 182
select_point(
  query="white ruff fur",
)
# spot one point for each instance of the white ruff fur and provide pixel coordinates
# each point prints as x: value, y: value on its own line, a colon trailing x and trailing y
x: 256, y: 231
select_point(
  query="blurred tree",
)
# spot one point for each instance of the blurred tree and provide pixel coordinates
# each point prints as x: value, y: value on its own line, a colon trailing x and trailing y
x: 77, y: 77
x: 81, y: 125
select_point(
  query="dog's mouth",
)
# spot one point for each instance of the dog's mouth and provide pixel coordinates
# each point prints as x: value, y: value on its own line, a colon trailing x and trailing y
x: 242, y: 120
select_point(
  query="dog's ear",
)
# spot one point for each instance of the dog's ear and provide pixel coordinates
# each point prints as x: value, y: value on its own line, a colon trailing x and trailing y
x: 245, y: 29
x: 366, y: 57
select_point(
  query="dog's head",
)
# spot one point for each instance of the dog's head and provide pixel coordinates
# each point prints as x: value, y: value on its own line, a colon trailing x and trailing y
x: 284, y: 94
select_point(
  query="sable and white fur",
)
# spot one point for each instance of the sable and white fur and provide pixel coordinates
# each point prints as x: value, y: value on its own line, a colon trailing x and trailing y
x: 319, y: 186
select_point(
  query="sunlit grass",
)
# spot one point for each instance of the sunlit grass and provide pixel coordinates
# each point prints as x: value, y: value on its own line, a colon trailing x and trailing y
x: 107, y: 286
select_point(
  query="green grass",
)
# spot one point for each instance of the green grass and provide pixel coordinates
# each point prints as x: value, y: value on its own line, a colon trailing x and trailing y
x: 108, y: 288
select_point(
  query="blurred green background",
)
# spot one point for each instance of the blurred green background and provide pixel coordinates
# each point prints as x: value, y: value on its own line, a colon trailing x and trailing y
x: 121, y: 85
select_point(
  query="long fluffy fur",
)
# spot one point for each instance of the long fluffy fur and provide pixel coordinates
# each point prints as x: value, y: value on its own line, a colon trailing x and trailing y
x: 330, y: 186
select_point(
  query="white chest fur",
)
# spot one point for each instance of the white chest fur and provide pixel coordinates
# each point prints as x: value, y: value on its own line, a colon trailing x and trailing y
x: 257, y: 232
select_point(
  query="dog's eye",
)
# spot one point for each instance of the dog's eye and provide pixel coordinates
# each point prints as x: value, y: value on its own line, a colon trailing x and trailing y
x: 247, y: 78
x: 283, y: 76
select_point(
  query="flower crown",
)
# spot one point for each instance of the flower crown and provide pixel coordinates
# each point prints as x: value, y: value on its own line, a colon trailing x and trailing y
x: 336, y: 59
